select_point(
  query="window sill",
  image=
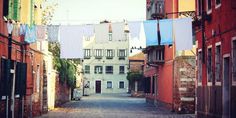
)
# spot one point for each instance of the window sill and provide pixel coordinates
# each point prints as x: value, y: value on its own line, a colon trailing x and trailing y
x: 209, y: 11
x: 217, y: 6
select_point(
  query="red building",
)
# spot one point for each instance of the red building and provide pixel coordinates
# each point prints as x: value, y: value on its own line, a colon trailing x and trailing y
x: 27, y: 85
x: 159, y: 59
x: 216, y: 58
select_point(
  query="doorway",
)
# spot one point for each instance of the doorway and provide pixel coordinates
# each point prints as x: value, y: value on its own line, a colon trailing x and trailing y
x: 98, y: 86
x: 226, y: 88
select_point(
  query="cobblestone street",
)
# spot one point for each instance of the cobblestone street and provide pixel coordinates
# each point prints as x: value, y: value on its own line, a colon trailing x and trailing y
x: 111, y: 106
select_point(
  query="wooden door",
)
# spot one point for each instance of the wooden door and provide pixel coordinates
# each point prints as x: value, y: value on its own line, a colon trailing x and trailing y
x: 98, y: 86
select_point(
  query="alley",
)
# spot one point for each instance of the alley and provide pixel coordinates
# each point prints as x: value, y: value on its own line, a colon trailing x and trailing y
x: 111, y: 106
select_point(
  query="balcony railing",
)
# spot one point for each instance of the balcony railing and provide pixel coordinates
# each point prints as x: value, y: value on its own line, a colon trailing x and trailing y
x: 155, y: 54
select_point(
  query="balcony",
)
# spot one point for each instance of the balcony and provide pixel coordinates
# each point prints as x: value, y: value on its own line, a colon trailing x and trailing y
x: 155, y: 55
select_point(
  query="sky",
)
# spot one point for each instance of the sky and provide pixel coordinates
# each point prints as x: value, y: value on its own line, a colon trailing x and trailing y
x: 94, y: 11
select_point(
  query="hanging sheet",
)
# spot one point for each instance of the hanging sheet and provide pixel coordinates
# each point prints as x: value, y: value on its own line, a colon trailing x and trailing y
x: 101, y: 33
x: 118, y: 31
x: 150, y: 29
x: 134, y: 29
x: 88, y: 30
x: 71, y: 40
x: 166, y: 31
x: 52, y: 31
x: 183, y: 34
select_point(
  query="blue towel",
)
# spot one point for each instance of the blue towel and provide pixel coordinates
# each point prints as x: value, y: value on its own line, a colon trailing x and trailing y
x: 30, y: 34
x: 166, y: 31
x: 150, y: 29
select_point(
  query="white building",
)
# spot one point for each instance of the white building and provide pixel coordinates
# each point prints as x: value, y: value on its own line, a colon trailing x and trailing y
x: 106, y: 64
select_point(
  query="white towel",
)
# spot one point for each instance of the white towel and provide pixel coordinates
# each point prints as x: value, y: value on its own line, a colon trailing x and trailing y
x: 101, y: 33
x: 118, y: 31
x: 71, y: 40
x: 183, y: 34
x: 53, y: 33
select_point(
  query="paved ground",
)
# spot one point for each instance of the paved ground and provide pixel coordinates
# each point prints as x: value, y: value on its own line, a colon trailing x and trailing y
x: 111, y: 106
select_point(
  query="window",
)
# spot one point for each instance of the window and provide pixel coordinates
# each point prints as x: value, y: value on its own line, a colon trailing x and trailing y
x: 209, y: 66
x: 98, y: 69
x: 87, y: 53
x: 218, y: 3
x: 199, y: 7
x: 14, y: 9
x: 87, y: 69
x: 122, y: 69
x: 109, y: 69
x: 110, y: 36
x: 199, y: 64
x: 5, y: 7
x: 98, y: 53
x: 209, y: 4
x: 121, y: 53
x: 217, y: 64
x: 121, y: 84
x: 109, y: 84
x: 109, y: 53
x: 234, y: 61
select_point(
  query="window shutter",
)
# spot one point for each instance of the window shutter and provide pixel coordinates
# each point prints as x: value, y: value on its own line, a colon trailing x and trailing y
x: 5, y: 7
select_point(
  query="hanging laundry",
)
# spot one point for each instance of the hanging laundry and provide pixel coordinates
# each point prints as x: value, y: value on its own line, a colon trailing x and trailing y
x: 71, y: 40
x: 41, y: 32
x: 22, y: 29
x: 166, y: 31
x: 88, y: 30
x: 16, y: 29
x: 150, y: 29
x: 118, y: 31
x: 52, y: 32
x: 134, y: 28
x: 9, y: 27
x: 183, y: 34
x: 101, y: 33
x: 30, y: 34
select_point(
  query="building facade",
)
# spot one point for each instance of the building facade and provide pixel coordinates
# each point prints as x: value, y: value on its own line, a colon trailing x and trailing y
x: 105, y: 65
x: 216, y: 54
x: 159, y: 69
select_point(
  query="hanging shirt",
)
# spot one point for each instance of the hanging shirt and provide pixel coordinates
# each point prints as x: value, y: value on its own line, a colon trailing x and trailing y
x: 41, y: 32
x: 134, y: 29
x: 71, y: 40
x: 22, y: 29
x: 9, y: 27
x: 16, y: 30
x: 52, y: 32
x: 150, y: 29
x: 166, y: 31
x: 30, y: 34
x: 183, y: 34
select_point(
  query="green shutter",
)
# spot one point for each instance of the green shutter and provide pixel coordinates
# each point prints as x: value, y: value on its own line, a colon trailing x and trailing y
x: 10, y: 12
x: 14, y: 10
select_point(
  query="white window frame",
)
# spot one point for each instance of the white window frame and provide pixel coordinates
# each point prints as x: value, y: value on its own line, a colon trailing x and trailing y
x: 87, y: 53
x: 119, y: 53
x: 109, y: 72
x: 88, y: 71
x: 111, y: 85
x: 120, y: 71
x: 110, y: 36
x: 199, y: 83
x: 209, y: 83
x: 119, y: 84
x: 100, y: 69
x: 232, y: 60
x: 220, y: 60
x: 199, y: 10
x: 110, y: 53
x: 207, y: 9
x: 98, y: 53
x: 217, y: 6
